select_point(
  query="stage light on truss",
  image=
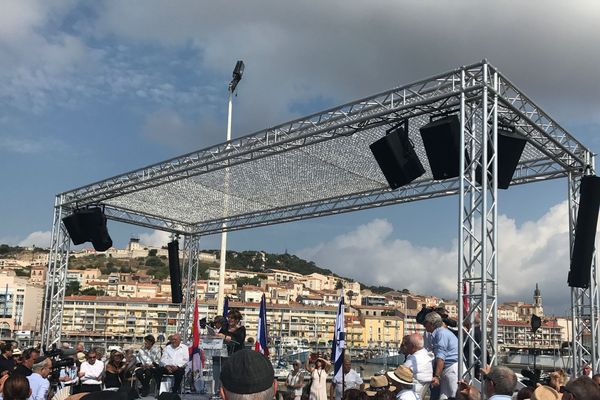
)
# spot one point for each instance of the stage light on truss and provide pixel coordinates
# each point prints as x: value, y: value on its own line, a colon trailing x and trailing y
x: 396, y: 156
x: 238, y: 71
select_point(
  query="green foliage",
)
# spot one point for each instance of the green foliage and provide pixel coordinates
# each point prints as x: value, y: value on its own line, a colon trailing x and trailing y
x: 72, y: 288
x: 92, y: 292
x: 125, y: 269
x: 339, y: 284
x: 254, y: 281
x: 153, y: 262
x: 152, y: 252
x: 159, y: 272
x: 107, y: 270
x: 23, y: 272
x: 379, y: 289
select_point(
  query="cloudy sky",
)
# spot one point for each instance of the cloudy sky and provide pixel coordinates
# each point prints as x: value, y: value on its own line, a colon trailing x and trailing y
x: 92, y: 89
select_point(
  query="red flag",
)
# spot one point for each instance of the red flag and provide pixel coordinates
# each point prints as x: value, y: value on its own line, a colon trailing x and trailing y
x: 195, y: 349
x: 465, y: 297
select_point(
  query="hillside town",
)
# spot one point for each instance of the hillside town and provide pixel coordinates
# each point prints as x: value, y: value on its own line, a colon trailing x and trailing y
x: 122, y: 307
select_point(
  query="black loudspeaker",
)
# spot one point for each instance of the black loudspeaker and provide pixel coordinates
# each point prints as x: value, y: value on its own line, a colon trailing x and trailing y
x: 441, y: 139
x: 88, y: 225
x: 397, y: 158
x: 175, y: 272
x: 510, y: 148
x: 585, y: 232
x: 536, y: 323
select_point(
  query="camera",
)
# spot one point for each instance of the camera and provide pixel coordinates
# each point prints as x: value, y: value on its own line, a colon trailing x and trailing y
x: 61, y: 359
x: 441, y: 311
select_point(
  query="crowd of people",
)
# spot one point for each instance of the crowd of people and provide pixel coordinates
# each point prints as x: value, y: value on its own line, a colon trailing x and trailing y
x: 93, y: 370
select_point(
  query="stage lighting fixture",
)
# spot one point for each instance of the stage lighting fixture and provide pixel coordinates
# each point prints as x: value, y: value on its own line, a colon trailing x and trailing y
x: 441, y: 139
x: 238, y: 71
x: 585, y: 232
x: 88, y: 225
x: 396, y: 156
x: 510, y: 148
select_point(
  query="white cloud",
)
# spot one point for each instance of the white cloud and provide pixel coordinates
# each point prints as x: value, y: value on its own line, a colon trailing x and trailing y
x: 535, y: 251
x: 155, y: 239
x: 38, y: 239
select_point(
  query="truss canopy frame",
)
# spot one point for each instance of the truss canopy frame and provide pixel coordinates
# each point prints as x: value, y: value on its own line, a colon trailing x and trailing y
x: 478, y: 93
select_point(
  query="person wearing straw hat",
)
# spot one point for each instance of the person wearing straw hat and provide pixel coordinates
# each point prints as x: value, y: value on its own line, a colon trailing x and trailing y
x: 403, y: 378
x: 543, y: 392
x: 377, y: 384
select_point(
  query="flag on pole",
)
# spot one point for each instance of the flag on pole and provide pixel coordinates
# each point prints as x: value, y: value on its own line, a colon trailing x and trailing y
x: 196, y: 353
x: 262, y: 337
x: 466, y: 298
x: 339, y: 342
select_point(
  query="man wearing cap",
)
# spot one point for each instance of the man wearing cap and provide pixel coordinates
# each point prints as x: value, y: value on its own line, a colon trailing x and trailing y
x: 403, y: 378
x: 247, y: 374
x: 352, y: 380
x: 418, y: 360
x: 174, y: 359
x: 445, y: 351
x: 29, y: 356
x: 38, y: 380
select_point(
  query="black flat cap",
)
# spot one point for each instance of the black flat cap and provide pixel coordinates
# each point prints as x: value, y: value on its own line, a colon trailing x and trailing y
x: 246, y: 372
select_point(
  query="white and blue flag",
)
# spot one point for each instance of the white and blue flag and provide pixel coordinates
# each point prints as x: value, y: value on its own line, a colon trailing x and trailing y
x: 339, y: 342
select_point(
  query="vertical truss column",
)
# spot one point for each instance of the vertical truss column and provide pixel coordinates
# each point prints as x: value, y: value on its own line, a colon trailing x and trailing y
x: 56, y: 278
x: 191, y: 264
x: 584, y: 301
x: 477, y: 253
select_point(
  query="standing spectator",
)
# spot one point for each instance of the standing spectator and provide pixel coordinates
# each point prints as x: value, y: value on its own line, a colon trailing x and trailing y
x: 149, y: 358
x: 174, y: 359
x: 294, y: 382
x: 29, y: 356
x: 15, y: 387
x: 38, y: 380
x: 499, y: 383
x: 7, y: 363
x: 90, y: 373
x: 557, y: 379
x: 418, y: 360
x: 80, y: 353
x: 445, y: 351
x: 586, y: 370
x: 318, y: 386
x: 352, y: 380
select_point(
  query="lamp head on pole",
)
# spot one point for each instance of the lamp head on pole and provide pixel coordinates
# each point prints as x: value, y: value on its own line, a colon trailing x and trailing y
x: 237, y: 75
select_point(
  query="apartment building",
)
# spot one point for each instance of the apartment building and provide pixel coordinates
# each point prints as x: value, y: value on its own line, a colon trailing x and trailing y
x: 20, y: 303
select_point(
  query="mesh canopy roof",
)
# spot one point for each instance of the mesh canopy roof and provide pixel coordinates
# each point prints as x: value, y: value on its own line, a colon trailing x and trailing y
x: 322, y: 164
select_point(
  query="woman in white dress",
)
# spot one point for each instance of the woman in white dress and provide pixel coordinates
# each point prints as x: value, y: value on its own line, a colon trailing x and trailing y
x: 318, y: 387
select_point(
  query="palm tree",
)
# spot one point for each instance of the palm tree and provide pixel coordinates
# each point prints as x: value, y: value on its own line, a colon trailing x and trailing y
x: 350, y: 295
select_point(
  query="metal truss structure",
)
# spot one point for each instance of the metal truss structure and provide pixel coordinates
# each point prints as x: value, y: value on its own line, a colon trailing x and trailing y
x: 191, y: 263
x: 322, y: 165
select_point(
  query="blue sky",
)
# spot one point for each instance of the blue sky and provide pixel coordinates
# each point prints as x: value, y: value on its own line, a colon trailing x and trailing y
x: 92, y: 89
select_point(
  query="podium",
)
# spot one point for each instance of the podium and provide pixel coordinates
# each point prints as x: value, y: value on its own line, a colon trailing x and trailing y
x: 215, y: 351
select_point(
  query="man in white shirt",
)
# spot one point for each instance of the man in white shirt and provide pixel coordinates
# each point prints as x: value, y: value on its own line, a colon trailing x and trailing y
x: 352, y: 379
x: 418, y: 360
x: 38, y: 380
x: 149, y: 358
x: 173, y: 361
x: 90, y: 373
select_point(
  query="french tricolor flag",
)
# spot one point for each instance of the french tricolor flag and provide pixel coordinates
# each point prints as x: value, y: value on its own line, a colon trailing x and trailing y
x: 262, y: 337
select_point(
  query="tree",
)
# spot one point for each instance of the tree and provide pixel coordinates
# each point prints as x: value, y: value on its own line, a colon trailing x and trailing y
x: 92, y: 292
x: 350, y: 295
x: 152, y: 253
x: 72, y: 288
x: 153, y: 262
x: 339, y: 284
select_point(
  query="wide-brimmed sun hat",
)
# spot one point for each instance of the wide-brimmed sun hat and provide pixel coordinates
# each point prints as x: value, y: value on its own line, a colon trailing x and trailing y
x: 378, y: 383
x: 402, y: 375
